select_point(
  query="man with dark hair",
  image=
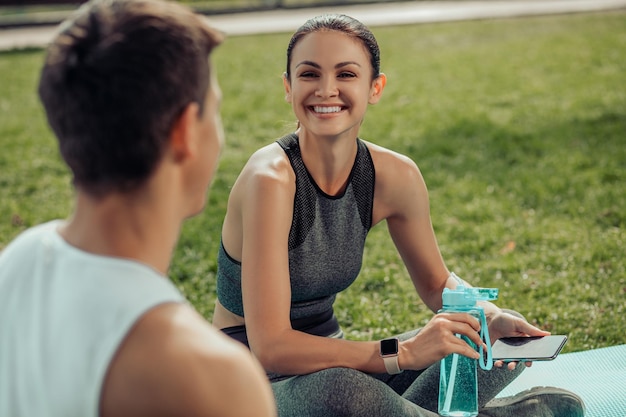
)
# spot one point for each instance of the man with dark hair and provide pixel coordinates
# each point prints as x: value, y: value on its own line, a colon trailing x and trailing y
x: 89, y: 323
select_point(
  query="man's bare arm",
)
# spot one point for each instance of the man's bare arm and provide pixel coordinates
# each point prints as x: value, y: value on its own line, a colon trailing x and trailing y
x: 173, y: 362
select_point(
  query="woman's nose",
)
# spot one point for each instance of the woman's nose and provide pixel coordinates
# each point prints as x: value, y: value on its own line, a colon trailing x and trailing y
x: 327, y: 87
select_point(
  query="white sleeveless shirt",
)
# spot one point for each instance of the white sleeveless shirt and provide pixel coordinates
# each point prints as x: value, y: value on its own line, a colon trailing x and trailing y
x: 63, y: 315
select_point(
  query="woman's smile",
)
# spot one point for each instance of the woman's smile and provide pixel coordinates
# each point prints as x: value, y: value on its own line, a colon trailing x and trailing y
x: 324, y: 110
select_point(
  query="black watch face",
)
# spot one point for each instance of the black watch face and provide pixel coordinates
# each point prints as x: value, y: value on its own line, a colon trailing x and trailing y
x: 389, y: 346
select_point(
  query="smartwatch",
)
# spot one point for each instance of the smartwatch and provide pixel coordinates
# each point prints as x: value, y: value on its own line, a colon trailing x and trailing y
x: 389, y: 353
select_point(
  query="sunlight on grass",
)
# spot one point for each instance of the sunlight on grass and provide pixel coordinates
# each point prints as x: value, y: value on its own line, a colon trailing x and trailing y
x: 517, y: 125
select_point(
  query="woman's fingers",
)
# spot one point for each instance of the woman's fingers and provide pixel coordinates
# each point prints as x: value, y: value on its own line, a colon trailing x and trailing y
x: 452, y: 324
x: 466, y: 325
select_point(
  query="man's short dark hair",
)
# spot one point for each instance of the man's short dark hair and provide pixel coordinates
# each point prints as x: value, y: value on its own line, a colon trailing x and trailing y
x: 115, y: 78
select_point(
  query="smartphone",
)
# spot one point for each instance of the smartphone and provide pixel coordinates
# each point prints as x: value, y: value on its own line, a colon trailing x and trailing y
x: 528, y: 349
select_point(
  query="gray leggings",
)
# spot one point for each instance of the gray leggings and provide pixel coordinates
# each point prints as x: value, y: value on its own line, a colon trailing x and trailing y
x: 337, y: 392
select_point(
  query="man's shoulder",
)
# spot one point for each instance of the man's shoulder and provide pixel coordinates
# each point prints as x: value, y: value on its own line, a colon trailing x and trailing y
x: 30, y: 236
x: 20, y: 258
x: 172, y: 353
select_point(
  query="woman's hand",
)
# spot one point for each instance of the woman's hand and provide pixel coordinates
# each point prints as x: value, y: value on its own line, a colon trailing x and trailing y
x: 438, y: 339
x: 504, y: 324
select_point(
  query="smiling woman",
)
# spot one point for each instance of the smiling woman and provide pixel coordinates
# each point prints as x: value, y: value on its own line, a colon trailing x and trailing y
x: 294, y: 235
x: 330, y: 95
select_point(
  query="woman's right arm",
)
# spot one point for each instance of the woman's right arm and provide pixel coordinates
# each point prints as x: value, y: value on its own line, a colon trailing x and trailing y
x: 256, y: 231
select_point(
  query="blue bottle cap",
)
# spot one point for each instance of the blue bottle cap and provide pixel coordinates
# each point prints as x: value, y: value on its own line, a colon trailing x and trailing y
x: 467, y: 296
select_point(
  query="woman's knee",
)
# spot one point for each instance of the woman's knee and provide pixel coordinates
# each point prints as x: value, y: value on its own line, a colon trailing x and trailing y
x: 332, y: 392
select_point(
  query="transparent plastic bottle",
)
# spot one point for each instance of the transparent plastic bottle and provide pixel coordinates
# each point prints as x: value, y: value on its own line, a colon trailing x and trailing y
x: 458, y: 385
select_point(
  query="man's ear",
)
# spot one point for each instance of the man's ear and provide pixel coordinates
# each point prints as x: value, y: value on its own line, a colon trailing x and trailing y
x: 378, y: 85
x: 287, y: 86
x: 183, y: 134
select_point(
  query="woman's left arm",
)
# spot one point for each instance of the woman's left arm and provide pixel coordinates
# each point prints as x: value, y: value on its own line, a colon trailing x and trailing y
x: 401, y: 197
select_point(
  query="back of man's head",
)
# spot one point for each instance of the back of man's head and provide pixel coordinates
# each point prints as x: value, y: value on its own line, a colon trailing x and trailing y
x: 115, y: 79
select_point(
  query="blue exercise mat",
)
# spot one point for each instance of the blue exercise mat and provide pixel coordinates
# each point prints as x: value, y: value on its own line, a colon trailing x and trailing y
x: 598, y: 376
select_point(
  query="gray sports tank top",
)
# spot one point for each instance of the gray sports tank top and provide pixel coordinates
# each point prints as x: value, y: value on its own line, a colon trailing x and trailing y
x: 326, y: 238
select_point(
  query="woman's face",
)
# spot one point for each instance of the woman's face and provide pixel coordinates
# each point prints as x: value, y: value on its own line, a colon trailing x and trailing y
x: 331, y: 84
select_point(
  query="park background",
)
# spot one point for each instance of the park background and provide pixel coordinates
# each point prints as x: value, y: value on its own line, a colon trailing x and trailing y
x: 518, y: 126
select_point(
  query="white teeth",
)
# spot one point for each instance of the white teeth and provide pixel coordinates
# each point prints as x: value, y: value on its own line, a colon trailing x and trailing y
x: 320, y: 109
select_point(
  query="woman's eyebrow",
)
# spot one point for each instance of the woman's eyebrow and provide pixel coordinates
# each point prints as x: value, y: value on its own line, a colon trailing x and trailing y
x: 310, y: 63
x: 345, y: 64
x: 339, y: 65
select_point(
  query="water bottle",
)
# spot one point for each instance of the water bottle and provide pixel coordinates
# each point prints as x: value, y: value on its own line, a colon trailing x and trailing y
x: 458, y: 385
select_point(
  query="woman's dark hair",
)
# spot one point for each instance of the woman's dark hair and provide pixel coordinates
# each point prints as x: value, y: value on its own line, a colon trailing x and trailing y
x: 340, y: 23
x: 115, y: 79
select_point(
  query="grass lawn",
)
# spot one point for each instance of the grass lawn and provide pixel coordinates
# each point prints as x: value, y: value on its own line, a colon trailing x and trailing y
x: 518, y: 126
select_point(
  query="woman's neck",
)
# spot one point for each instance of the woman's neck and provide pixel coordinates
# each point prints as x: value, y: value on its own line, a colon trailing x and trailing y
x: 328, y: 160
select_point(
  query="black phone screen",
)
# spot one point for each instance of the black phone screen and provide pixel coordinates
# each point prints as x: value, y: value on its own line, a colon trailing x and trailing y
x: 533, y: 348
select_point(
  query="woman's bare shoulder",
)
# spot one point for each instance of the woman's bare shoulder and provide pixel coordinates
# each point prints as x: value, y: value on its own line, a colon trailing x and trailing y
x: 267, y: 162
x: 391, y: 164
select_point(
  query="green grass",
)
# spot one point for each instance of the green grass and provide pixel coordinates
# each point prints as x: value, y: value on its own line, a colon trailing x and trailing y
x: 519, y: 128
